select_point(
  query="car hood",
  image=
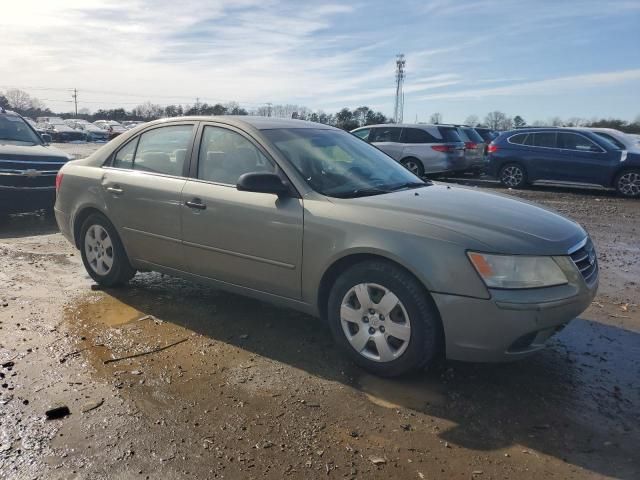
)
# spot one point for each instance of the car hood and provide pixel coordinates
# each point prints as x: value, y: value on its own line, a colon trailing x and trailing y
x: 474, y: 219
x: 40, y: 152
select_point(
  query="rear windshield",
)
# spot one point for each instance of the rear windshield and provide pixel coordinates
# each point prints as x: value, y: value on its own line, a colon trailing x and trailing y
x: 473, y: 135
x: 450, y: 134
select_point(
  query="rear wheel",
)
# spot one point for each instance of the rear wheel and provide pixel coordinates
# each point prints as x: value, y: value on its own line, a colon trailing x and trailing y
x: 513, y: 175
x: 102, y: 252
x: 383, y: 318
x: 414, y: 166
x: 628, y: 183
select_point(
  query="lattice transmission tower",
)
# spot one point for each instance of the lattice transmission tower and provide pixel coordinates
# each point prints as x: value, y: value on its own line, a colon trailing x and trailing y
x: 399, y: 106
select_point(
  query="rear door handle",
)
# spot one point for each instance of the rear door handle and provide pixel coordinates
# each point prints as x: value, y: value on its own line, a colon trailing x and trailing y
x: 196, y: 203
x: 115, y: 190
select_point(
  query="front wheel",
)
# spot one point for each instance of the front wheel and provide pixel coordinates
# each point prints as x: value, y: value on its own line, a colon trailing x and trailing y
x: 102, y: 252
x: 513, y: 175
x: 383, y: 318
x: 628, y: 183
x: 414, y: 166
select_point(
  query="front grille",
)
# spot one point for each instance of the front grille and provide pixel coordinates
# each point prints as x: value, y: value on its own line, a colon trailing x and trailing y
x: 585, y: 258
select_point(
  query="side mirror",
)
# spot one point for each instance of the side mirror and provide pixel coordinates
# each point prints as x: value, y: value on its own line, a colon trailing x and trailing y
x: 262, y: 183
x: 46, y: 138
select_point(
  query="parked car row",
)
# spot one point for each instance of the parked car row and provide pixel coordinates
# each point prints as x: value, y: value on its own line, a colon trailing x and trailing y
x: 577, y: 156
x: 430, y: 149
x: 77, y: 129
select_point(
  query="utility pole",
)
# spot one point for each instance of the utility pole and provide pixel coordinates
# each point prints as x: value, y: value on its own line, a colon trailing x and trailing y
x: 197, y: 105
x: 399, y: 105
x: 75, y: 99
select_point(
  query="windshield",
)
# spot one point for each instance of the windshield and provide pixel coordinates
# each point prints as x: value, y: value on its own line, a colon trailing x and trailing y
x: 14, y: 130
x: 337, y: 164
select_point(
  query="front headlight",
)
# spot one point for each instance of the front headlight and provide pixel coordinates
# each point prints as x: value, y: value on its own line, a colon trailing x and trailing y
x: 515, y: 271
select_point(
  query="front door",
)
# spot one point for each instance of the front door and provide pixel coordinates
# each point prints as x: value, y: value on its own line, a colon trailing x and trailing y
x: 142, y: 189
x: 244, y: 238
x: 590, y: 163
x: 387, y: 139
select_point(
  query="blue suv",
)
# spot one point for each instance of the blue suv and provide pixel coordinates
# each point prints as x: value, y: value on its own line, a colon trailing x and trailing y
x: 562, y: 155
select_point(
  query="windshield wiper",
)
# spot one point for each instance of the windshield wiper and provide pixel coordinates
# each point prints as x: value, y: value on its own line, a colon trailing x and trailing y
x: 364, y: 192
x: 409, y: 186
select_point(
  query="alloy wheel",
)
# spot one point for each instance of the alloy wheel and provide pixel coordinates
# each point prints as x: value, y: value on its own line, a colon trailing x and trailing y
x: 512, y: 176
x: 99, y: 249
x: 413, y: 167
x: 629, y: 184
x: 375, y: 322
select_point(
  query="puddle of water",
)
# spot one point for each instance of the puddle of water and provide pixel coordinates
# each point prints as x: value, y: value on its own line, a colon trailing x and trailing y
x: 416, y: 393
x: 107, y: 310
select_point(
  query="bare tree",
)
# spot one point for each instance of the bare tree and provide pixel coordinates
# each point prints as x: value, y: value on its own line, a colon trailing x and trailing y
x: 495, y: 120
x: 472, y: 120
x: 556, y: 122
x: 21, y: 100
x: 435, y: 118
x: 149, y: 111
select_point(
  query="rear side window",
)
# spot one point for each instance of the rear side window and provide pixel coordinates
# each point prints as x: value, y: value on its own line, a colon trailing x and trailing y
x: 161, y: 150
x: 363, y: 134
x: 124, y: 157
x: 542, y: 139
x: 417, y: 135
x: 573, y: 141
x: 385, y: 134
x: 518, y: 139
x: 449, y: 134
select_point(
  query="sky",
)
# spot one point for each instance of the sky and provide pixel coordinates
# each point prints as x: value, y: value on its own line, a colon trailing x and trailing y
x: 537, y: 59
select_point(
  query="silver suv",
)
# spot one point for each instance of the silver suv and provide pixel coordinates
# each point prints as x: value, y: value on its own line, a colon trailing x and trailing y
x: 423, y: 149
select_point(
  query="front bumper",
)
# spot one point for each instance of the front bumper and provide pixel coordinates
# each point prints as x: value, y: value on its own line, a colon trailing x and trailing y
x: 512, y: 323
x: 19, y: 200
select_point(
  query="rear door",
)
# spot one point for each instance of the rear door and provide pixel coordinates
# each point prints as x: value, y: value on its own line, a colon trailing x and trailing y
x: 142, y: 188
x: 387, y: 139
x: 244, y: 238
x: 590, y: 162
x: 544, y: 160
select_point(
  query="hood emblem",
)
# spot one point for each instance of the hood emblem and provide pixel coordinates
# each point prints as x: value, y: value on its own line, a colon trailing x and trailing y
x: 31, y: 173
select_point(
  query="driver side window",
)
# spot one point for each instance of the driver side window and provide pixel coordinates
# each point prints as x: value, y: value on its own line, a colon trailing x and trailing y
x: 226, y: 155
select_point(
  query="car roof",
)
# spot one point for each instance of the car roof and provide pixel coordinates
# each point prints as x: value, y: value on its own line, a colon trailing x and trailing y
x: 405, y: 125
x: 259, y: 123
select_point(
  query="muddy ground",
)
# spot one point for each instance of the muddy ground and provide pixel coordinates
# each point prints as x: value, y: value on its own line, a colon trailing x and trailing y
x: 248, y: 390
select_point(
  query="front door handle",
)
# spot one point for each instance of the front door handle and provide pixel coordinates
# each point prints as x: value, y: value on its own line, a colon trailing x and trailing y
x: 115, y: 190
x: 196, y: 203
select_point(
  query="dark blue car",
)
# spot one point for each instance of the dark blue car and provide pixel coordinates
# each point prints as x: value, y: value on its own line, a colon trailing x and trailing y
x: 562, y: 155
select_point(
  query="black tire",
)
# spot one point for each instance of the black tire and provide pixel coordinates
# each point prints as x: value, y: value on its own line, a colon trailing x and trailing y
x: 413, y: 165
x: 513, y: 175
x: 425, y: 339
x: 120, y: 270
x: 627, y: 183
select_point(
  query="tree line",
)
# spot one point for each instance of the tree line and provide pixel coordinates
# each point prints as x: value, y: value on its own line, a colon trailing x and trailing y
x: 346, y: 119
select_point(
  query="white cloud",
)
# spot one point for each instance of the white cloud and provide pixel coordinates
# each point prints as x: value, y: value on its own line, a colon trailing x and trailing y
x: 544, y: 87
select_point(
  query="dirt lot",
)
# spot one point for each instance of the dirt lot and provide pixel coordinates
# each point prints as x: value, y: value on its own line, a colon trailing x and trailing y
x: 254, y: 391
